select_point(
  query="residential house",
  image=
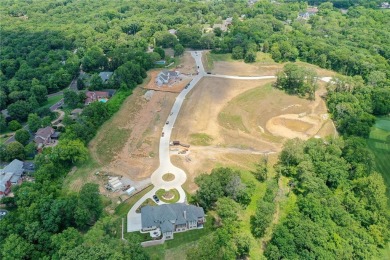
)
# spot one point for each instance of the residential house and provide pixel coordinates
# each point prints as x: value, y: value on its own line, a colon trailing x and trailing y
x: 225, y: 24
x: 164, y: 76
x: 6, y: 115
x: 310, y: 11
x: 75, y: 113
x: 385, y: 5
x: 9, y: 176
x: 44, y: 136
x: 172, y: 31
x: 171, y: 218
x: 105, y: 76
x: 92, y: 96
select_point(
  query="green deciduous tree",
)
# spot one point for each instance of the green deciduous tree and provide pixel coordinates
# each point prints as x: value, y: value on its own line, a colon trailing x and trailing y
x: 34, y: 122
x: 179, y: 49
x: 14, y: 125
x: 22, y: 136
x: 89, y: 207
x: 15, y: 247
x: 19, y: 110
x: 15, y: 150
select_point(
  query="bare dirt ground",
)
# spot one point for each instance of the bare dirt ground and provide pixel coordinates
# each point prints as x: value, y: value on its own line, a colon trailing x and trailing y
x: 243, y: 119
x: 187, y: 64
x: 174, y: 86
x: 187, y: 69
x: 145, y: 119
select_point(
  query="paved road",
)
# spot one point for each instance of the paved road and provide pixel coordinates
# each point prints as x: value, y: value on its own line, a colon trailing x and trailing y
x: 133, y: 218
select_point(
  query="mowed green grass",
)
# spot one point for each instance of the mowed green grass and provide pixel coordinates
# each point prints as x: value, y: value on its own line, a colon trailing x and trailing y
x: 52, y: 100
x: 180, y: 243
x: 122, y: 209
x: 379, y: 144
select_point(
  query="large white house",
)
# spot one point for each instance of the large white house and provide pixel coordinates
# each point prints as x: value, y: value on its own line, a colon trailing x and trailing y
x: 171, y: 218
x: 164, y: 76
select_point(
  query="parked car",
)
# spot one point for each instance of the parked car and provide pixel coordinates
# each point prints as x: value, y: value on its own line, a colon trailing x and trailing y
x: 208, y: 72
x: 156, y: 199
x: 162, y: 134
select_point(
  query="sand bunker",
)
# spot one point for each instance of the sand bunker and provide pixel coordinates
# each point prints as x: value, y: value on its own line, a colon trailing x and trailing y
x: 294, y: 125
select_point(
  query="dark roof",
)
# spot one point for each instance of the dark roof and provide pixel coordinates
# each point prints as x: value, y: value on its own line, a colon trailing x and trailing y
x: 177, y: 213
x: 105, y: 75
x: 28, y: 166
x: 55, y: 135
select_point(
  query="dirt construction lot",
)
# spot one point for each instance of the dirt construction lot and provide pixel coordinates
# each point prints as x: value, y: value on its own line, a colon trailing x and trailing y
x: 239, y: 120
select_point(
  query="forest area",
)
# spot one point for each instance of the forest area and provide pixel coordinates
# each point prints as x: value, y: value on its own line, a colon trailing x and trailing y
x: 340, y: 190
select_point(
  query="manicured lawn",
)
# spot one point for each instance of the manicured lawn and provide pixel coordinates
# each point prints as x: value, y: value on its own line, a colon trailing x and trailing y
x: 147, y: 202
x: 52, y: 100
x: 125, y: 206
x: 168, y: 177
x: 181, y: 242
x: 379, y: 144
x: 176, y: 195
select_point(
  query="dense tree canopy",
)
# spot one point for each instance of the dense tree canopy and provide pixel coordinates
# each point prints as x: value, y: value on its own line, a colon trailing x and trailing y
x: 341, y: 211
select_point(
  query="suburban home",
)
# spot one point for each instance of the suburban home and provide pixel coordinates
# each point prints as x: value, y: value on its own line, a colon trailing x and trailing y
x: 225, y: 24
x: 75, y: 113
x: 105, y: 76
x: 385, y: 5
x: 172, y: 31
x: 309, y: 12
x: 164, y: 76
x: 93, y: 96
x: 45, y: 136
x: 10, y: 175
x: 171, y: 218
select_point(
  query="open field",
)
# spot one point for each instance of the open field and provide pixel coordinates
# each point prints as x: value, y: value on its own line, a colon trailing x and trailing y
x: 379, y: 143
x: 52, y: 100
x: 264, y: 65
x: 232, y: 122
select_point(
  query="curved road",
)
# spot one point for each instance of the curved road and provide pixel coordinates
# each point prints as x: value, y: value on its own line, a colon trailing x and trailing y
x: 133, y: 218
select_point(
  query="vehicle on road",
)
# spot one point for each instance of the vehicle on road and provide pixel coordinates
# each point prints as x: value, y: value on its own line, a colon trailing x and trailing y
x: 171, y: 113
x: 167, y: 123
x: 208, y: 72
x: 162, y: 134
x: 156, y: 199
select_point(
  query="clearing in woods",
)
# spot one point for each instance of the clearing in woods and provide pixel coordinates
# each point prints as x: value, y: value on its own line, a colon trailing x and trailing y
x: 127, y: 144
x: 233, y: 122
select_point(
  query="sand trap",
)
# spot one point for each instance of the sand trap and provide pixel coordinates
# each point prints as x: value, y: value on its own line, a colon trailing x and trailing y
x: 292, y: 126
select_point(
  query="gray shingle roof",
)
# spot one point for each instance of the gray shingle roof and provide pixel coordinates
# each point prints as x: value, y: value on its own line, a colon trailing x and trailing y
x: 12, y: 172
x: 105, y: 75
x: 177, y: 213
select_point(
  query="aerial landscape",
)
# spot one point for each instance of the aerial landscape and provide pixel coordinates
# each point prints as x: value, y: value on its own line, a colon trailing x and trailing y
x: 214, y: 129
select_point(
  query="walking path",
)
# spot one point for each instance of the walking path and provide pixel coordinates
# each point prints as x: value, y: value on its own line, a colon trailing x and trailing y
x: 133, y: 218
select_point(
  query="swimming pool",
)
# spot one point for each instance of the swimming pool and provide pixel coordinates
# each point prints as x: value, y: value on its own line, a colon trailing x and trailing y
x: 103, y: 100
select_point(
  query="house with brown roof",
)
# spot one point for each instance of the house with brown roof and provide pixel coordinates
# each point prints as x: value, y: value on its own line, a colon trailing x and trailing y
x: 45, y: 136
x: 92, y: 96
